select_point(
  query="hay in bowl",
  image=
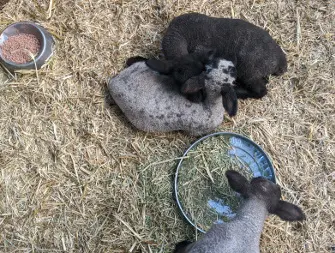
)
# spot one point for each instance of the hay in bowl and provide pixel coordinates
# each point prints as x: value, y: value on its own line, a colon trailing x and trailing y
x: 201, y: 187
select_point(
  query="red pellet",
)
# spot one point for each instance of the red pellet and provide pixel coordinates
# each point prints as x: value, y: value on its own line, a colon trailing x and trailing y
x: 19, y: 48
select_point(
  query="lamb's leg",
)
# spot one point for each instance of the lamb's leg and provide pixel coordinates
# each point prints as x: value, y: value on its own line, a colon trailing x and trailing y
x: 242, y: 93
x: 255, y: 88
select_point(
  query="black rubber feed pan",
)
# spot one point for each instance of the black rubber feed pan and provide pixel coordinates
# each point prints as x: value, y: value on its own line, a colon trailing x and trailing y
x: 201, y: 188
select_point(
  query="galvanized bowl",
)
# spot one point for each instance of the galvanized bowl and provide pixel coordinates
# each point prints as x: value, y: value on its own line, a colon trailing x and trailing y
x: 45, y: 39
x: 242, y: 149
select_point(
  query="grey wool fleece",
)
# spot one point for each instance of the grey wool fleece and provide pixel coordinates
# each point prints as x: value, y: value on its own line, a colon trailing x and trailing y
x: 227, y: 238
x: 153, y: 103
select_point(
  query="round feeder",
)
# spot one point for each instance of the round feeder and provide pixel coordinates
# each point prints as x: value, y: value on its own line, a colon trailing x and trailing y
x: 44, y: 38
x: 201, y: 188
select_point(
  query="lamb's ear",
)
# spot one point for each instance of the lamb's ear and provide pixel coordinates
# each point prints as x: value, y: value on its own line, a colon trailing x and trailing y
x: 161, y: 66
x: 193, y: 85
x: 229, y: 100
x: 238, y: 182
x: 289, y: 212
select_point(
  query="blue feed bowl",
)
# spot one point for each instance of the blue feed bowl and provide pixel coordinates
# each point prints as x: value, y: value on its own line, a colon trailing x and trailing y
x: 241, y: 148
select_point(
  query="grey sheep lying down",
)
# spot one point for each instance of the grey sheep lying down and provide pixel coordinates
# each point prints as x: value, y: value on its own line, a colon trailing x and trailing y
x: 152, y: 102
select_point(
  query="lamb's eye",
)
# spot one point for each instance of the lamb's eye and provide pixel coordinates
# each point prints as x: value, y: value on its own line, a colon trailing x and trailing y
x: 232, y: 69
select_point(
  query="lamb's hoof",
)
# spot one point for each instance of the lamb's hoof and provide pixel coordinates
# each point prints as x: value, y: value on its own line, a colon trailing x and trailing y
x: 181, y: 246
x: 261, y: 92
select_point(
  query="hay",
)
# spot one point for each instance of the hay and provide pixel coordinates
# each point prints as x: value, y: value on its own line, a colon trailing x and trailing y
x: 76, y: 177
x: 3, y: 3
x: 203, y: 188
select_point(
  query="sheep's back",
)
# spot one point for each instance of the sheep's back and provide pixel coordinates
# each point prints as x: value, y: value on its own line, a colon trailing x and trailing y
x: 224, y: 239
x: 152, y: 102
x: 234, y: 39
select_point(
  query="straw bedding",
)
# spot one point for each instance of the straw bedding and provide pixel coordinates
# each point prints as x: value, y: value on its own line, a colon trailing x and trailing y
x: 77, y: 177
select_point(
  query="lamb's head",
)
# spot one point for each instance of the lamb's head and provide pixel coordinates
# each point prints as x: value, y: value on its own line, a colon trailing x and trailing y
x: 219, y: 79
x: 195, y: 71
x: 185, y: 69
x: 221, y: 71
x: 266, y: 191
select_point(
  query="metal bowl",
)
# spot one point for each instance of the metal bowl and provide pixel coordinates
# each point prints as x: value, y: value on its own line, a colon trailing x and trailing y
x: 44, y: 37
x: 214, y: 207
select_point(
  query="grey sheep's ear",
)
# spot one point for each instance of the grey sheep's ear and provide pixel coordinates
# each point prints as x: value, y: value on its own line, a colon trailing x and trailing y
x: 191, y: 87
x: 161, y: 66
x: 289, y: 212
x: 229, y: 100
x: 238, y: 182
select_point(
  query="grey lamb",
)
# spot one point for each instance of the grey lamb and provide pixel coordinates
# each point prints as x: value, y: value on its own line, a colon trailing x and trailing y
x: 153, y: 103
x: 243, y: 232
x: 253, y: 51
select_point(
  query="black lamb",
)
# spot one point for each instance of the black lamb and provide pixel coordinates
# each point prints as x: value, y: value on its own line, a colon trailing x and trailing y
x: 252, y: 50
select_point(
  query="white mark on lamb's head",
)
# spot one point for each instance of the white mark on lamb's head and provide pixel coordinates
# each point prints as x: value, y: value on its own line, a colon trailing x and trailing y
x: 222, y: 71
x: 220, y: 78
